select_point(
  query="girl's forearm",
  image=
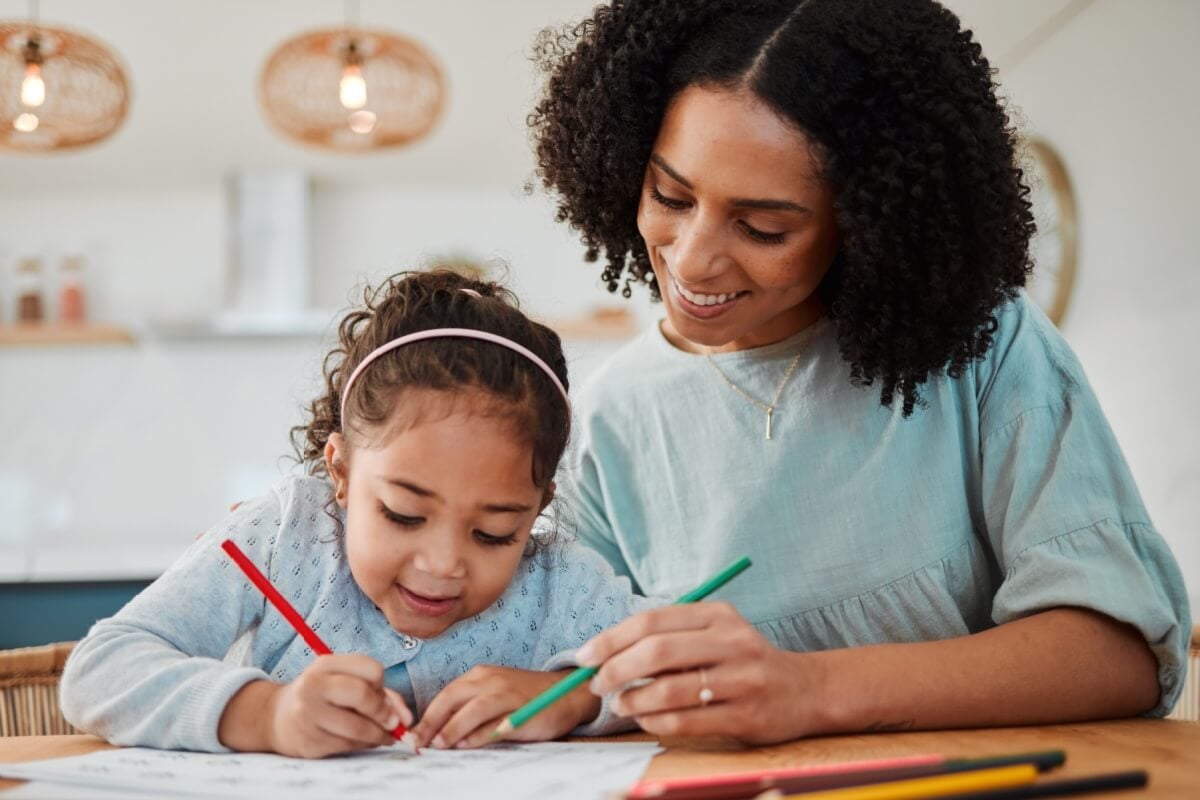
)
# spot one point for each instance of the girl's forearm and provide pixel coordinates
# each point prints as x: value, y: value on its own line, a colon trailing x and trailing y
x: 1060, y: 665
x: 246, y: 722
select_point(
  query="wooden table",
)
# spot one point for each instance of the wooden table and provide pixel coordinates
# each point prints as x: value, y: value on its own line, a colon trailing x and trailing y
x: 1168, y: 750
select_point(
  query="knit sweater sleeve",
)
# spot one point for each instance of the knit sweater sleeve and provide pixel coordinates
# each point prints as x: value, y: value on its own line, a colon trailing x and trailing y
x: 154, y: 674
x: 588, y: 597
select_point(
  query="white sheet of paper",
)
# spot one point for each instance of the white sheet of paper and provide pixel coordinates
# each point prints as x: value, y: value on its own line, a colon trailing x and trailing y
x: 498, y: 772
x: 40, y: 790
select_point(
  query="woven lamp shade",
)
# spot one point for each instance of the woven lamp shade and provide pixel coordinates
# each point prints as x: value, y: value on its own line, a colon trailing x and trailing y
x: 299, y: 89
x: 86, y: 95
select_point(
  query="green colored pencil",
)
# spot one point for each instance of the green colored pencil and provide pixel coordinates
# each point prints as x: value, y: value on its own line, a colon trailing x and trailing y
x: 581, y: 674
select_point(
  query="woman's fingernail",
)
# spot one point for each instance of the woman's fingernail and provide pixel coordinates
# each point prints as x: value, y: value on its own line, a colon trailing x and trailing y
x: 595, y: 685
x: 585, y: 655
x: 439, y: 742
x: 618, y: 707
x: 392, y: 721
x: 461, y: 745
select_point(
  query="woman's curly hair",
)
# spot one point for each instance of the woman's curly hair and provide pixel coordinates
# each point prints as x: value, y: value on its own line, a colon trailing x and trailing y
x: 920, y: 155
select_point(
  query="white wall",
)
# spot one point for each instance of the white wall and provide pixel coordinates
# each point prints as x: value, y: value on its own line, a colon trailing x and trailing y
x: 1114, y: 90
x: 114, y: 457
x: 85, y: 430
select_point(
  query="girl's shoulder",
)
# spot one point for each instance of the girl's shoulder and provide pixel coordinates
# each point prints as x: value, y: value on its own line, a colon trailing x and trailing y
x: 294, y: 516
x: 568, y: 572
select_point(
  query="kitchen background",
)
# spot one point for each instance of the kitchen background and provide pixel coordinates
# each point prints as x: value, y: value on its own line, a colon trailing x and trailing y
x: 121, y: 444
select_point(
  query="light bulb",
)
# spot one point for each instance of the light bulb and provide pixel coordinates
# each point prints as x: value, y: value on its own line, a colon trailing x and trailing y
x: 26, y: 123
x: 353, y: 89
x: 33, y: 88
x: 362, y: 121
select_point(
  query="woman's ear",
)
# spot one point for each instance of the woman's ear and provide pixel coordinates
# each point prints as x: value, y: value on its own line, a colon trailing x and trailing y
x: 335, y: 464
x: 547, y: 496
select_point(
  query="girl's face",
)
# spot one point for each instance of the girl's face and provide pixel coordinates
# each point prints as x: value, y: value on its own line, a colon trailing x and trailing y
x: 437, y: 516
x: 739, y: 227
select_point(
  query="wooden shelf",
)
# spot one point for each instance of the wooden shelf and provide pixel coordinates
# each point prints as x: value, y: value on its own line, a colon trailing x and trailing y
x: 603, y: 324
x: 56, y: 334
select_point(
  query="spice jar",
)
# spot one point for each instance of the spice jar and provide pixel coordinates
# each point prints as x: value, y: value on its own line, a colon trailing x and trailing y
x: 71, y: 305
x: 29, y: 291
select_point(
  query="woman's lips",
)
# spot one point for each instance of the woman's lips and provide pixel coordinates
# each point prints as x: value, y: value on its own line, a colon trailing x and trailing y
x: 702, y: 311
x: 430, y: 606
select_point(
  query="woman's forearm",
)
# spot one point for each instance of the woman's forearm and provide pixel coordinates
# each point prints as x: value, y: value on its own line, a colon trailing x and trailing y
x: 1060, y: 665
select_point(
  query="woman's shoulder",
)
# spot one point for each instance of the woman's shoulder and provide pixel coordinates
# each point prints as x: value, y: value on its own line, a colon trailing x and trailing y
x: 1028, y: 364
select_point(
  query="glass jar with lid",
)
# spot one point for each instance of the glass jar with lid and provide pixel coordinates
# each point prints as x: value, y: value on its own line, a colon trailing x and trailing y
x: 72, y: 307
x: 30, y: 305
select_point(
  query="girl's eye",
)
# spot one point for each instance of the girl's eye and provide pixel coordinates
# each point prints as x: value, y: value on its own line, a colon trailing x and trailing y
x: 762, y: 236
x: 669, y: 202
x: 400, y: 519
x: 491, y: 540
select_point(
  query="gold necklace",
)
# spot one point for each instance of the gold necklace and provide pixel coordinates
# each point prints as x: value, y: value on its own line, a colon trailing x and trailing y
x: 770, y: 409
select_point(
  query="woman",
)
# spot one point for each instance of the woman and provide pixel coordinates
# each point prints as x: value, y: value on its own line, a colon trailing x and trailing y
x: 848, y: 385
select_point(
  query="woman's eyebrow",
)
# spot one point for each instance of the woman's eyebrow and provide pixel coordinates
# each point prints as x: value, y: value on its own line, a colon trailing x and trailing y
x: 738, y: 202
x: 667, y: 168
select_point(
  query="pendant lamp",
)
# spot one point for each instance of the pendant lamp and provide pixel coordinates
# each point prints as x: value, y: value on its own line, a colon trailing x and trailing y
x: 352, y: 89
x: 58, y: 89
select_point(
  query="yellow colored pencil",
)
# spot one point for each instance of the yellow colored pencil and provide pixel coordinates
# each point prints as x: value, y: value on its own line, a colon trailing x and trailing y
x: 937, y: 786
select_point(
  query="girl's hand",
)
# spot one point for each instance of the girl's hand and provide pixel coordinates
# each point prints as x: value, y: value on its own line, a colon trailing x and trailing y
x: 466, y: 712
x: 338, y: 704
x: 755, y: 692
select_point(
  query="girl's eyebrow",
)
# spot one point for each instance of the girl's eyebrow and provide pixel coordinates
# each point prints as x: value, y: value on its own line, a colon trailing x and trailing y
x: 739, y: 202
x: 491, y: 508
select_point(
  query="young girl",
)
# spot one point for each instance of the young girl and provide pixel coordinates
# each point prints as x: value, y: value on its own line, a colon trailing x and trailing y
x: 409, y: 551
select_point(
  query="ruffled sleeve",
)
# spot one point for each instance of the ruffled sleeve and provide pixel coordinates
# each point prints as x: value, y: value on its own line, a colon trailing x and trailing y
x: 1063, y: 515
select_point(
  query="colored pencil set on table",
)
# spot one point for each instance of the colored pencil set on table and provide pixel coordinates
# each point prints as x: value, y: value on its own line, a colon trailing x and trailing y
x: 993, y: 778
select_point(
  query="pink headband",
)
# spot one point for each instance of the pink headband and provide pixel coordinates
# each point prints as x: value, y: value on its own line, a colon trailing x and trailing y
x: 451, y: 333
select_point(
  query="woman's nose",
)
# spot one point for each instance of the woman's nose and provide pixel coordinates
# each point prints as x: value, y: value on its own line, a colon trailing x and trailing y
x: 697, y: 253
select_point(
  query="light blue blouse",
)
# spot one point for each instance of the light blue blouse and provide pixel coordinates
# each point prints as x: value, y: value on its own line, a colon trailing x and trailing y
x: 160, y: 672
x: 1005, y: 495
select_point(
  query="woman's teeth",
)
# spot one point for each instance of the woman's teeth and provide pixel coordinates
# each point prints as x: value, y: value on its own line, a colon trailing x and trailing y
x: 704, y: 299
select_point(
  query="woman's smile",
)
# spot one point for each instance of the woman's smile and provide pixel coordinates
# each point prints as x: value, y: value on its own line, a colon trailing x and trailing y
x: 703, y: 306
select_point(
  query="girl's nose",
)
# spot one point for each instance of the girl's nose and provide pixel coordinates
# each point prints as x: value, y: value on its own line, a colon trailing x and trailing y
x: 440, y: 557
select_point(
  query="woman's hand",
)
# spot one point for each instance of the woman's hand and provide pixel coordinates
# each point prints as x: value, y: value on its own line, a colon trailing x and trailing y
x: 337, y: 705
x: 755, y: 692
x: 466, y: 712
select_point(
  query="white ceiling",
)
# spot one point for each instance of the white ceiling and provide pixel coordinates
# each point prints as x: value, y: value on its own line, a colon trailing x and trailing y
x: 194, y: 67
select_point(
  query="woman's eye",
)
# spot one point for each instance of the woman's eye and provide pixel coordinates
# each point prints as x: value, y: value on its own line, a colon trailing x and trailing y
x: 669, y: 202
x: 762, y: 236
x: 491, y: 540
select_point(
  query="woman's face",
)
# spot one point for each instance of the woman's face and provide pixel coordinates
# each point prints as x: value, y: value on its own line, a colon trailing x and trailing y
x: 739, y: 227
x: 438, y: 515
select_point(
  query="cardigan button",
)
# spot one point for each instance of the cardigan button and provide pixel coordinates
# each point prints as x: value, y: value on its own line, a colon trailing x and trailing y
x: 408, y: 642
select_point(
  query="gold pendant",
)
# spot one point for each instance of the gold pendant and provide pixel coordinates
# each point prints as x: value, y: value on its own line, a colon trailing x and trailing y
x: 770, y: 413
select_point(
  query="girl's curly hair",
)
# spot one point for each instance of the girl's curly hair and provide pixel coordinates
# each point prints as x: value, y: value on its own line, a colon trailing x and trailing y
x: 920, y: 155
x: 414, y: 301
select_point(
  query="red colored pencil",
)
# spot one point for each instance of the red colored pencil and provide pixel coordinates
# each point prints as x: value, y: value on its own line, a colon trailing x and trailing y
x: 289, y: 613
x: 762, y: 779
